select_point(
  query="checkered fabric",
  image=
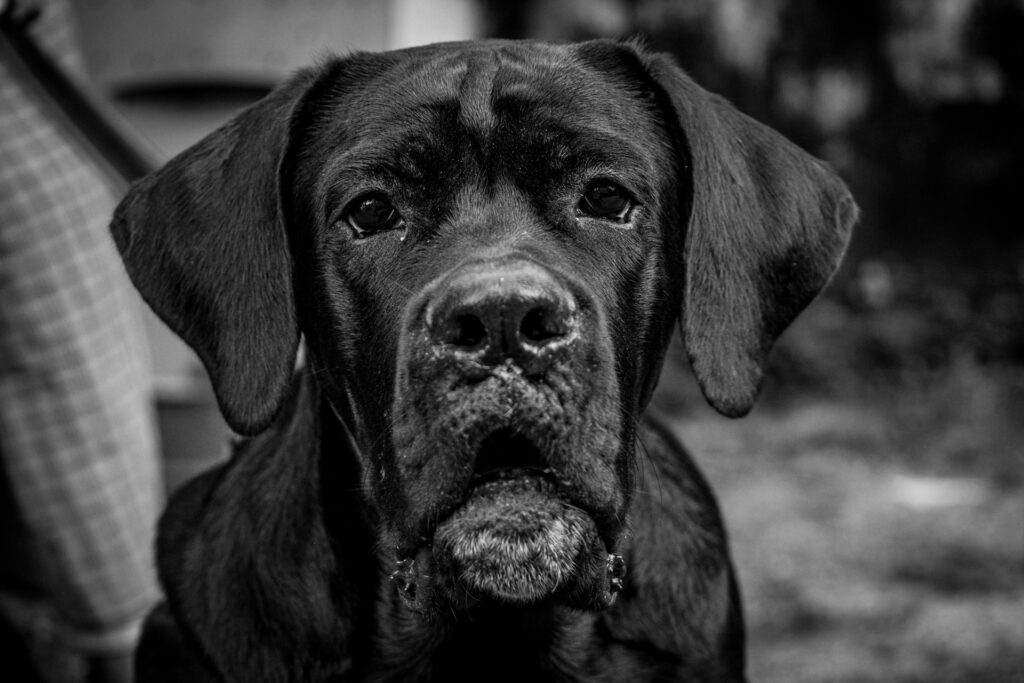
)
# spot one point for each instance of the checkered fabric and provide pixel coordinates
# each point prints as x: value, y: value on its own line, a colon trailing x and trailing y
x: 77, y: 439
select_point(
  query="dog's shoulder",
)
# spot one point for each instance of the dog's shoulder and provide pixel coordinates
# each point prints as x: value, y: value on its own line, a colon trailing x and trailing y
x: 245, y: 558
x: 223, y: 504
x: 681, y: 600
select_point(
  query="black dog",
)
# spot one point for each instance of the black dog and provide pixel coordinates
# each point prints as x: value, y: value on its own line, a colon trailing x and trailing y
x: 486, y: 247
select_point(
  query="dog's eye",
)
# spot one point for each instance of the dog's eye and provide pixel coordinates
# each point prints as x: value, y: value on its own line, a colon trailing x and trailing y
x: 606, y: 200
x: 371, y: 214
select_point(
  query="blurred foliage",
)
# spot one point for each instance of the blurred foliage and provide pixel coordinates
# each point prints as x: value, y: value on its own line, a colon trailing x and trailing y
x: 941, y: 358
x: 895, y: 326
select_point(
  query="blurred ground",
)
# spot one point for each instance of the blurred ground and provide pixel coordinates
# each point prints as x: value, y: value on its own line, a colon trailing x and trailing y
x: 875, y: 497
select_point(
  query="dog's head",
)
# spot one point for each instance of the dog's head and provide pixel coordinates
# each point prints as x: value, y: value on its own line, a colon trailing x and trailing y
x: 486, y: 247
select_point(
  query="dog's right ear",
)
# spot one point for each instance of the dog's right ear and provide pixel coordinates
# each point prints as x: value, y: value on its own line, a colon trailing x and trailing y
x: 204, y: 242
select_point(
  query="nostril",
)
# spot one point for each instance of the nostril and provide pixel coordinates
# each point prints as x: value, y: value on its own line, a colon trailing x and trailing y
x: 469, y: 331
x: 540, y: 326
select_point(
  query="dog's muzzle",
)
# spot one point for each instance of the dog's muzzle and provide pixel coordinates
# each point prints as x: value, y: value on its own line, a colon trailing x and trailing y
x: 505, y: 440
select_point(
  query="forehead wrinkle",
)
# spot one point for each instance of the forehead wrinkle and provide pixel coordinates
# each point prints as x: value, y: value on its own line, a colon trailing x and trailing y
x: 595, y: 143
x: 475, y: 93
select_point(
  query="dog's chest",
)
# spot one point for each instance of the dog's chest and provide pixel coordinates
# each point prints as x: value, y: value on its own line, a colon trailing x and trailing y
x: 498, y: 645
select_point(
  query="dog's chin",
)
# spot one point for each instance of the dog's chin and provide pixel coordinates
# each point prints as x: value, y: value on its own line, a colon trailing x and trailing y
x: 516, y: 542
x: 513, y: 540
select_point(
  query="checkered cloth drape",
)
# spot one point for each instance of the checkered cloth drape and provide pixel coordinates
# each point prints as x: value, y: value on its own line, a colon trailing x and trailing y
x: 76, y: 429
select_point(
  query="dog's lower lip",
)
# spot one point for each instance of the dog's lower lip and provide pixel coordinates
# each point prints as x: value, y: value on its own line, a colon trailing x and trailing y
x: 514, y: 539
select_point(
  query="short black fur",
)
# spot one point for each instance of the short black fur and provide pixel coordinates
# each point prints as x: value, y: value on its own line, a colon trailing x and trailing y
x: 372, y: 529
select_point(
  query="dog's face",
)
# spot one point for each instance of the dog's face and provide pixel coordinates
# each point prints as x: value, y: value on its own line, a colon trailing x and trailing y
x: 486, y: 247
x: 483, y: 235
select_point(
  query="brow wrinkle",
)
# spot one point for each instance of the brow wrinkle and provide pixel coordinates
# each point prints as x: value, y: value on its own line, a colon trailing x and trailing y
x: 475, y: 111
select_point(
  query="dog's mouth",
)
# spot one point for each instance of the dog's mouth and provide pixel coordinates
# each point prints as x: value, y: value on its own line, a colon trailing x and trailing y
x: 506, y: 454
x: 516, y: 538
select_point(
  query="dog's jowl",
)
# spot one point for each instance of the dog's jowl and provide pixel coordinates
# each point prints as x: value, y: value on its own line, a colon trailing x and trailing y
x: 485, y: 248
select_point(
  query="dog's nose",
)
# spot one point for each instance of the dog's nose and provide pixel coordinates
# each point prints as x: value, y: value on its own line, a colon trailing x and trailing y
x: 516, y: 311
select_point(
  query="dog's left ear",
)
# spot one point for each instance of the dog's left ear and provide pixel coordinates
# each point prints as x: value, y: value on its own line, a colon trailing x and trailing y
x: 204, y: 242
x: 768, y: 226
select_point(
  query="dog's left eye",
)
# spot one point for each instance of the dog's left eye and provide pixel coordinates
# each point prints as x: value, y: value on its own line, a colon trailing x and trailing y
x: 606, y: 200
x: 371, y: 214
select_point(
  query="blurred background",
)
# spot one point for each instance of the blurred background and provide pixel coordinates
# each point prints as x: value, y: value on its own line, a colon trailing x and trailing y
x: 875, y: 497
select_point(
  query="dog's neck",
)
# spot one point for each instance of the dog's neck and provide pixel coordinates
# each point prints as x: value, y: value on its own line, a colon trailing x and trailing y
x: 498, y: 643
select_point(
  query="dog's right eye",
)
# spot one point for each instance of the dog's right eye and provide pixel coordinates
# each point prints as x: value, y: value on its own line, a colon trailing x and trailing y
x: 371, y: 214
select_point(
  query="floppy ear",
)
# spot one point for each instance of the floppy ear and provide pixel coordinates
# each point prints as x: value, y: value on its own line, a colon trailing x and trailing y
x: 204, y: 242
x: 768, y: 226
